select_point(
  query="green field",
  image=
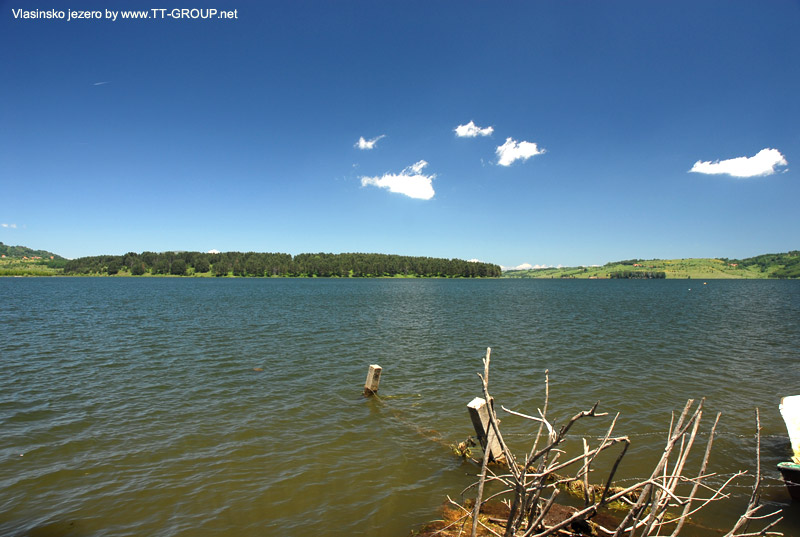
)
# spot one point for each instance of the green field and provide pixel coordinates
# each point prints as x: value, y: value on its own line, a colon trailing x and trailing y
x: 29, y: 267
x: 761, y: 267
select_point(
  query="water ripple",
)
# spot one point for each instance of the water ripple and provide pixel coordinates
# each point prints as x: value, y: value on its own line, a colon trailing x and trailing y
x: 232, y: 407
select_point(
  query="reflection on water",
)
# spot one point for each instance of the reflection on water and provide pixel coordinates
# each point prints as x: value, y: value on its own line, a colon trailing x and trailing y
x: 136, y: 406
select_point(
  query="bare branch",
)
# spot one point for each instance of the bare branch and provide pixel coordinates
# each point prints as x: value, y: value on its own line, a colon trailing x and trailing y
x: 551, y: 433
x: 475, y: 518
x: 703, y: 466
x: 653, y: 502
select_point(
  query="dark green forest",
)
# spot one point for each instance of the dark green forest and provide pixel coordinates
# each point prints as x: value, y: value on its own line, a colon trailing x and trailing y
x: 254, y: 264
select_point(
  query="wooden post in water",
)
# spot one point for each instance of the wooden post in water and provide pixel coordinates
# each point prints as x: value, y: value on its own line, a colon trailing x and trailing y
x: 373, y: 380
x: 479, y: 414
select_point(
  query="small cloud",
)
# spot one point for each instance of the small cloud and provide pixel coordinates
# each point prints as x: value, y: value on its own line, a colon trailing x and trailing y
x: 213, y: 251
x: 102, y: 83
x: 9, y: 226
x: 763, y: 163
x: 368, y: 144
x: 474, y: 261
x: 410, y: 182
x: 512, y: 151
x: 470, y: 130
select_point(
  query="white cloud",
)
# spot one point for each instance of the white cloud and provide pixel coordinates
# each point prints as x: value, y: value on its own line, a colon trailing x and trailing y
x: 763, y: 163
x: 470, y: 130
x: 528, y: 266
x: 368, y: 144
x: 512, y: 151
x: 411, y: 182
x: 10, y: 226
x: 213, y: 251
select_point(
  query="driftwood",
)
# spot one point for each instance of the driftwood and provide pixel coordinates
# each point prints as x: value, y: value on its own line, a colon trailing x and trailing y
x: 657, y: 505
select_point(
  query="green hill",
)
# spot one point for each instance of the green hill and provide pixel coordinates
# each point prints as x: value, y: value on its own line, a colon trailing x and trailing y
x: 24, y: 261
x: 786, y: 265
x: 21, y: 252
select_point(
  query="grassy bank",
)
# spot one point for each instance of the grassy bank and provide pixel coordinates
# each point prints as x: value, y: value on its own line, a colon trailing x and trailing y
x: 25, y: 267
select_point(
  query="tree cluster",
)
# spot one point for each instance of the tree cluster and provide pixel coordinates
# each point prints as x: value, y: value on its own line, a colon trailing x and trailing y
x: 777, y: 265
x: 253, y: 264
x: 626, y: 262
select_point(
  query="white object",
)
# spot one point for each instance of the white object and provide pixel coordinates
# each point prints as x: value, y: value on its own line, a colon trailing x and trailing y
x: 373, y: 379
x: 790, y: 410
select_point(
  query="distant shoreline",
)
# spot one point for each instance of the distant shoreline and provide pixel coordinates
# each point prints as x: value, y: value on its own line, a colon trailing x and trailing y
x: 496, y: 278
x: 231, y: 277
x: 767, y: 266
x: 371, y: 265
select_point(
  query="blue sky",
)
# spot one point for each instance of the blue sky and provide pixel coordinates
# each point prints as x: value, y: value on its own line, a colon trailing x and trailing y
x: 243, y: 134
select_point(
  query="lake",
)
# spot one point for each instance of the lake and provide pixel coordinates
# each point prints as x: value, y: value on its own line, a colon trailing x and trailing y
x: 233, y: 407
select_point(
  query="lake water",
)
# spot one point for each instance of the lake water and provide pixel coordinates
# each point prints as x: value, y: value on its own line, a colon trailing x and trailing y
x: 232, y: 407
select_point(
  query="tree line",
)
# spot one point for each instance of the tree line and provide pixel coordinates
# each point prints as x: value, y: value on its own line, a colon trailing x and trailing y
x: 254, y: 264
x: 638, y: 275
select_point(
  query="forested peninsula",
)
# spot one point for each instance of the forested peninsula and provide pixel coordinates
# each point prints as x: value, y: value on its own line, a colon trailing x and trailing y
x: 259, y: 265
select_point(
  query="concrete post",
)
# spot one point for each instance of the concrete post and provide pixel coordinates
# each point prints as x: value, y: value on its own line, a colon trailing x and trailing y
x: 373, y: 380
x: 479, y: 414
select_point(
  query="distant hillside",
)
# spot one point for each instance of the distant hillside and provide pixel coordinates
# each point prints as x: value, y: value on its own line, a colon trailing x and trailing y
x: 786, y: 265
x: 20, y: 252
x: 24, y: 261
x: 776, y: 265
